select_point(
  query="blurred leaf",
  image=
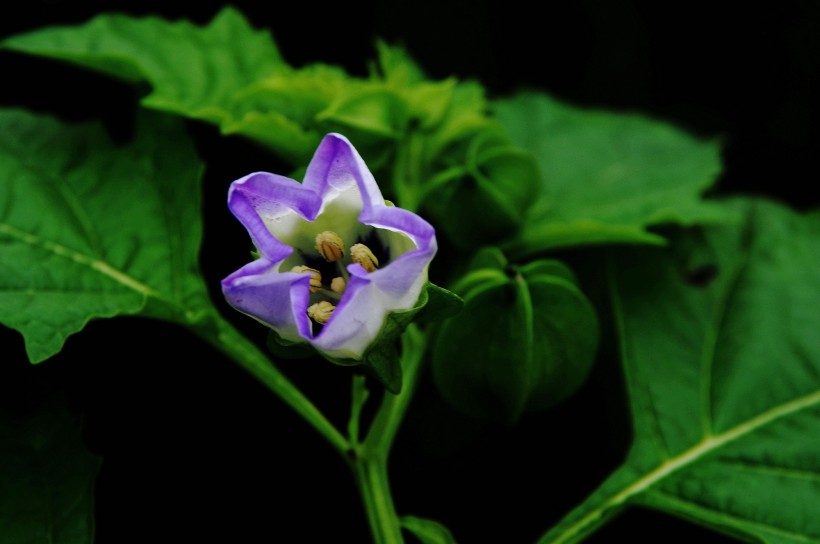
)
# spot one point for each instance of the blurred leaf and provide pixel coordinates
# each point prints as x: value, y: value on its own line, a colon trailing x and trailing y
x: 194, y: 71
x: 427, y: 531
x: 374, y: 109
x: 396, y: 67
x: 465, y: 117
x: 204, y: 73
x: 483, y: 201
x: 231, y: 75
x: 606, y: 176
x: 88, y: 229
x: 526, y: 339
x: 47, y: 478
x: 723, y: 373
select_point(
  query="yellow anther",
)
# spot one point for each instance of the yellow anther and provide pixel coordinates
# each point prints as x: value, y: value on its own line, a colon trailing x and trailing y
x: 338, y: 285
x: 315, y: 276
x: 321, y: 311
x: 362, y: 255
x: 330, y: 246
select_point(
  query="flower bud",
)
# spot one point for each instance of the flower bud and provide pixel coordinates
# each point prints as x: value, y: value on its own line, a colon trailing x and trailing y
x: 330, y: 246
x: 315, y: 276
x: 361, y: 254
x: 321, y: 311
x: 338, y: 285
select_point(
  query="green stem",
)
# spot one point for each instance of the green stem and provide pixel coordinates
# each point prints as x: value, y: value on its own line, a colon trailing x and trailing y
x: 370, y: 460
x: 371, y: 477
x: 391, y: 412
x: 244, y: 352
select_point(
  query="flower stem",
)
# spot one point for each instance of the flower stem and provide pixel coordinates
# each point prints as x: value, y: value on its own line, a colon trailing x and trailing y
x: 370, y: 462
x: 245, y: 353
x: 371, y: 477
x: 391, y: 412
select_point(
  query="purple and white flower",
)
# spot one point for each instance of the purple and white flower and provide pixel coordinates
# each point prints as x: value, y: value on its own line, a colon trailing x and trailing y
x: 307, y: 284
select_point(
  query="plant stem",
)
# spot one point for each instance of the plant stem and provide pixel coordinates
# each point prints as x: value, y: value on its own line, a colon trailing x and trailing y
x: 371, y: 478
x: 244, y: 352
x: 391, y: 412
x: 370, y: 462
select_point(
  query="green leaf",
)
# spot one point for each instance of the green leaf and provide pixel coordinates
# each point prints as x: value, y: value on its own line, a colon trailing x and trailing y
x: 204, y: 73
x: 723, y: 373
x: 372, y: 109
x: 440, y: 305
x: 526, y: 339
x: 606, y: 176
x: 483, y: 202
x: 47, y: 478
x: 427, y: 531
x: 89, y: 229
x: 194, y: 71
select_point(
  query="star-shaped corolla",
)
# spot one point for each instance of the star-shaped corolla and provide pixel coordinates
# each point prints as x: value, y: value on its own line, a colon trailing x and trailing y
x: 334, y: 258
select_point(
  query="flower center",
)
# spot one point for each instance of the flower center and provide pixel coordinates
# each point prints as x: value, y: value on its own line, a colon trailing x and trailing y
x: 327, y: 266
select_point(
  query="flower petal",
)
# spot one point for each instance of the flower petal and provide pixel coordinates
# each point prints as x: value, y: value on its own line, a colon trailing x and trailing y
x: 358, y: 318
x: 279, y: 300
x: 336, y: 167
x: 266, y: 204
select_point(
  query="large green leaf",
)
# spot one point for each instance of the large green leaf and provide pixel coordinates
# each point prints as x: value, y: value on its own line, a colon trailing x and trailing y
x: 606, y: 176
x: 723, y: 373
x: 231, y: 75
x: 89, y: 229
x: 47, y: 481
x: 194, y: 71
x: 209, y: 73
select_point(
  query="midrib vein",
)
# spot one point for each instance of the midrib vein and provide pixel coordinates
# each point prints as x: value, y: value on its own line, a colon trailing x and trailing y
x: 688, y: 457
x: 80, y: 258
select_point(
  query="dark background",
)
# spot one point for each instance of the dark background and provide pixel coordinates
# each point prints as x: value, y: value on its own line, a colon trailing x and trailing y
x: 194, y: 448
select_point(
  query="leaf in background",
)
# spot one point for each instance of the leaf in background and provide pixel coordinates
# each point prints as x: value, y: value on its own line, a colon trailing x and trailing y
x: 483, y: 202
x: 427, y: 531
x: 194, y: 71
x: 203, y: 73
x: 280, y: 110
x: 606, y: 176
x: 47, y: 481
x: 88, y: 229
x: 723, y: 373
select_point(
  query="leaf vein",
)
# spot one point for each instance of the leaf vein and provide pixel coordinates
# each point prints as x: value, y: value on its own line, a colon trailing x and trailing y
x: 95, y: 264
x: 64, y: 190
x: 730, y: 520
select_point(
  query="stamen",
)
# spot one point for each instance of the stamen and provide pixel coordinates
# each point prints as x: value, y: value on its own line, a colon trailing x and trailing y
x: 338, y: 285
x: 315, y: 276
x: 321, y: 311
x: 362, y: 255
x: 330, y: 246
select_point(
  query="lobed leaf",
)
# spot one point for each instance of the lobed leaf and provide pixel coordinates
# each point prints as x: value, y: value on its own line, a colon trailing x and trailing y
x: 89, y: 229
